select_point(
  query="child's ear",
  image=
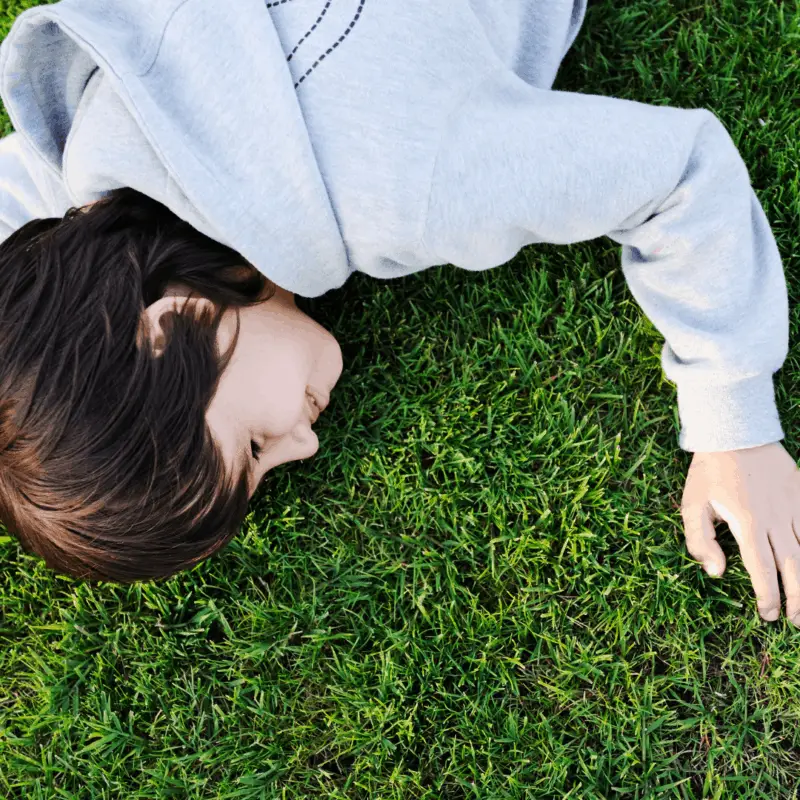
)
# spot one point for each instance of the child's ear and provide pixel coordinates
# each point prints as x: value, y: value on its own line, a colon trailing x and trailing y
x: 151, y: 324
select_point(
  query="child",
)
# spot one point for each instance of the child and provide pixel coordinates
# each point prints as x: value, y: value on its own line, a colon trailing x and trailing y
x: 383, y: 137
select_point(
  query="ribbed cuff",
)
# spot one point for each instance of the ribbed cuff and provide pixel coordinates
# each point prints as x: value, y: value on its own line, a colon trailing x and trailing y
x: 732, y: 416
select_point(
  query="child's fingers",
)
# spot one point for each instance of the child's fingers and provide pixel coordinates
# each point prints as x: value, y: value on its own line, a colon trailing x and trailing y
x: 701, y: 538
x: 759, y: 561
x: 757, y: 555
x: 787, y: 557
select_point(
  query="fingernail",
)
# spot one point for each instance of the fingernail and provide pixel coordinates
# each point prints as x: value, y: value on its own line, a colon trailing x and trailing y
x: 771, y: 614
x: 713, y: 570
x: 796, y: 619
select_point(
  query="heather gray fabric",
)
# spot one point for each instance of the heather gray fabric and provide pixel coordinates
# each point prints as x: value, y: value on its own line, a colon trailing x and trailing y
x: 388, y: 137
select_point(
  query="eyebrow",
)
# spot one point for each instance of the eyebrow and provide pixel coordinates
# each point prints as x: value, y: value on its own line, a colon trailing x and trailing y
x: 248, y: 465
x: 248, y: 458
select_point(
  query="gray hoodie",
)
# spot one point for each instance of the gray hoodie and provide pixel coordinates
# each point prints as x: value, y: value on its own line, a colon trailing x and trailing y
x: 321, y: 137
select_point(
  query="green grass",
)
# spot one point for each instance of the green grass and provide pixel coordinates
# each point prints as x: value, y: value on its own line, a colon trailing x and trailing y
x: 478, y: 588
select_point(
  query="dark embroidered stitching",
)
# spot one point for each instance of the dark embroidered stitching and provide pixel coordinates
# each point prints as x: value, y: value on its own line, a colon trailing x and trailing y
x: 311, y: 30
x: 335, y: 44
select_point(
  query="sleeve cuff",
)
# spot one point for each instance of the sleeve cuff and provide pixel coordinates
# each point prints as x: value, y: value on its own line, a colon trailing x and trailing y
x: 734, y: 416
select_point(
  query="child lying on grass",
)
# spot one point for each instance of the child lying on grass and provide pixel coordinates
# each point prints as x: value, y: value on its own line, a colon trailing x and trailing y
x: 164, y: 149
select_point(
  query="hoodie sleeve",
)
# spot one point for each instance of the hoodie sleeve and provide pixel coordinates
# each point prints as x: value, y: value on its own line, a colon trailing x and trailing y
x: 519, y: 165
x: 28, y: 188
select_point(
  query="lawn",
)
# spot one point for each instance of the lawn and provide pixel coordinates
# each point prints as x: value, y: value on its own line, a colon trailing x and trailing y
x: 478, y: 588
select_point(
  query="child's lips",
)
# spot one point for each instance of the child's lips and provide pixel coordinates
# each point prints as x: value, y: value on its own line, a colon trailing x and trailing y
x: 322, y: 399
x: 315, y: 412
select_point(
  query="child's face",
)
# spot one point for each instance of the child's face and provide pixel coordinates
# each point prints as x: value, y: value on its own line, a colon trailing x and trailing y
x: 263, y: 395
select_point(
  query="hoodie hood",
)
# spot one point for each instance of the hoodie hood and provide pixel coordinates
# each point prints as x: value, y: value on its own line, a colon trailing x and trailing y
x: 279, y: 216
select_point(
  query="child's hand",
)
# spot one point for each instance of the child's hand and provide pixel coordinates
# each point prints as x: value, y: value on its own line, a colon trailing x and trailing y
x: 757, y: 492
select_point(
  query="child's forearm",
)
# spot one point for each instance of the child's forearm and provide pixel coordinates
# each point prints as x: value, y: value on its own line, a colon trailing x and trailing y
x: 532, y: 165
x: 715, y: 286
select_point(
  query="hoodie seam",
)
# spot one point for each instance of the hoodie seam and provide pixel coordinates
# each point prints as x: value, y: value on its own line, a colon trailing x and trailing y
x: 452, y: 114
x: 161, y: 38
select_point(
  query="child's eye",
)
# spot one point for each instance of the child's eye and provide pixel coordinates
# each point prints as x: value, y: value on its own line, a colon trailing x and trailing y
x: 255, y: 449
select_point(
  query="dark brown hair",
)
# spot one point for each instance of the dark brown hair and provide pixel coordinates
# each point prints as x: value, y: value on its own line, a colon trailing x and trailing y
x: 108, y: 469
